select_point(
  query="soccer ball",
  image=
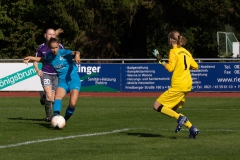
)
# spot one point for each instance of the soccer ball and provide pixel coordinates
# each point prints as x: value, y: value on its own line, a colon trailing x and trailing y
x: 58, y: 122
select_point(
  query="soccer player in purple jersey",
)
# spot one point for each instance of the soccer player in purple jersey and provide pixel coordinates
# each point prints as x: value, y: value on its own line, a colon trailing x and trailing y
x: 47, y: 75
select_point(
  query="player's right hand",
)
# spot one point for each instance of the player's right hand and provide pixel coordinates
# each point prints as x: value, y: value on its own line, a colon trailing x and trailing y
x: 155, y: 52
x: 26, y: 59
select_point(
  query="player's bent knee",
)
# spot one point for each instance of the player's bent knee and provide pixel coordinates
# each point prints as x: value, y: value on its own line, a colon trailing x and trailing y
x: 156, y: 106
x: 49, y: 97
x: 159, y: 108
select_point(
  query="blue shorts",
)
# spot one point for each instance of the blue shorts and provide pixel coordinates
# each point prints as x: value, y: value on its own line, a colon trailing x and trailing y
x: 70, y: 84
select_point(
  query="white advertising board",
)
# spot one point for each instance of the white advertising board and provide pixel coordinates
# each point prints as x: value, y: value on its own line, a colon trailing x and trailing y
x: 19, y: 77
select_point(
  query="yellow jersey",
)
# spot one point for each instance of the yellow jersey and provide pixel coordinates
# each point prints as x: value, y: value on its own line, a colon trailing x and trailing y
x: 180, y: 62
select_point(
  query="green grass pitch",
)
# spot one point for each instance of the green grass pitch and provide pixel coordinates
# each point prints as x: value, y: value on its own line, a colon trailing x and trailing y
x: 104, y: 128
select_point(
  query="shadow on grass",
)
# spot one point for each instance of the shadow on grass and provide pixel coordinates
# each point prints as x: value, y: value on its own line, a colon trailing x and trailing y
x: 44, y: 124
x: 143, y: 134
x: 27, y: 119
x: 149, y: 135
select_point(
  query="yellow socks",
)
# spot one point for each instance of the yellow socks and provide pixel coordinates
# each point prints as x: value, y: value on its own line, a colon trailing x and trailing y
x: 169, y: 112
x: 188, y: 124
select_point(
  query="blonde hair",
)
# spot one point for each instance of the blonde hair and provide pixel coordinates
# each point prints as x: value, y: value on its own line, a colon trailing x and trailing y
x: 180, y: 40
x: 58, y: 31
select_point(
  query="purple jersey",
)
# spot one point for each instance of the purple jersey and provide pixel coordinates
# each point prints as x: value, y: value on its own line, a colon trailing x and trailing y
x: 42, y: 50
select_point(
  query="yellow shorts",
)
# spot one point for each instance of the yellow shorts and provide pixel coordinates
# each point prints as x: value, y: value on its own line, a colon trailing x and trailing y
x: 172, y: 99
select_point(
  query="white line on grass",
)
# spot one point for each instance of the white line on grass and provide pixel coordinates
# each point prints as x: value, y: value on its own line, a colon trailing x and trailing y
x: 62, y: 138
x: 102, y: 133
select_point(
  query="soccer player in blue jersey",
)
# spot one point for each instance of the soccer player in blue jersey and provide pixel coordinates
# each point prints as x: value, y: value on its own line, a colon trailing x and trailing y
x: 68, y: 78
x: 47, y: 74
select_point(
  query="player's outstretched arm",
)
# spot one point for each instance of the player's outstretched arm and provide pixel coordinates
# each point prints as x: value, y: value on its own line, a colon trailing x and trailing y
x: 31, y: 58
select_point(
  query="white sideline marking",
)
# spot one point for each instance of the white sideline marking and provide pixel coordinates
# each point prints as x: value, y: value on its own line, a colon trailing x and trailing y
x: 102, y: 133
x: 62, y: 138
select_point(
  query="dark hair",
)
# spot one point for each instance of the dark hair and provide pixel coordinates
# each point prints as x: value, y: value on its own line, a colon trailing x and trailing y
x: 53, y: 40
x: 175, y: 35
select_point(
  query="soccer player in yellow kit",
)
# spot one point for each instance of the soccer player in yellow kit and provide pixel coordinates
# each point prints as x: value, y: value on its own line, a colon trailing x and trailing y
x: 180, y: 62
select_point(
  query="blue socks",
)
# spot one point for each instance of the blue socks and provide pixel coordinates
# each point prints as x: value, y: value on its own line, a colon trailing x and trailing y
x: 57, y: 106
x: 69, y: 112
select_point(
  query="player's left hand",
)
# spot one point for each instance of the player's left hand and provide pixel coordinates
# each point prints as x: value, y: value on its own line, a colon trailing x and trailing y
x: 77, y: 59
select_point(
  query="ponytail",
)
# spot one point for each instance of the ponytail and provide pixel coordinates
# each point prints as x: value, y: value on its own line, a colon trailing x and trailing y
x: 180, y: 40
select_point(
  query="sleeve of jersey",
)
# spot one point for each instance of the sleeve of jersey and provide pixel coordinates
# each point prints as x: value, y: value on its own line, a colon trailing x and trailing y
x: 66, y: 52
x: 61, y: 46
x: 171, y: 62
x: 38, y: 54
x: 194, y: 65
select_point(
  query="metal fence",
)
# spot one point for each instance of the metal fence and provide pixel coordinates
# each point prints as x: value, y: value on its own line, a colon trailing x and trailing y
x: 125, y: 60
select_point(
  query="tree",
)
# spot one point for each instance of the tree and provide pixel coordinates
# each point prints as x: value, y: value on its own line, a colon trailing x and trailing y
x: 115, y: 28
x: 17, y: 33
x: 198, y: 21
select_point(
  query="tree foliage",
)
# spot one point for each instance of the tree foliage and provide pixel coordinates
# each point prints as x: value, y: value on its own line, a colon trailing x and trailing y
x: 115, y: 28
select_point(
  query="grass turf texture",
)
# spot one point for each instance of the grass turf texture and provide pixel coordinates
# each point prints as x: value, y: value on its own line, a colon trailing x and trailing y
x: 149, y: 135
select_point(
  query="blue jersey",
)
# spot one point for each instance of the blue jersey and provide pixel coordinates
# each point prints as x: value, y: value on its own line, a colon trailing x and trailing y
x: 42, y: 50
x: 63, y: 64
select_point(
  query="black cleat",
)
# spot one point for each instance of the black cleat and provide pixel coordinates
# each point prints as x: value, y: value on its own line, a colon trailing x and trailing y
x: 48, y: 119
x: 42, y: 101
x: 193, y: 132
